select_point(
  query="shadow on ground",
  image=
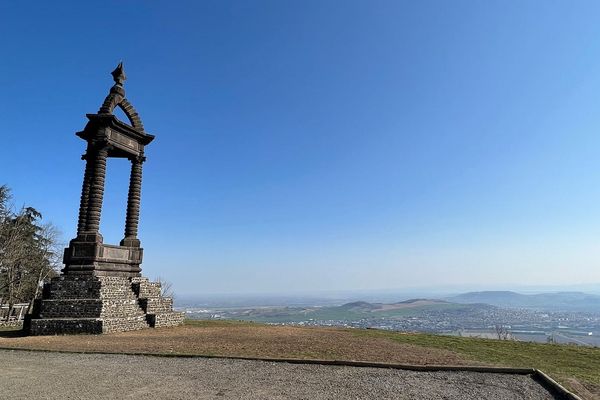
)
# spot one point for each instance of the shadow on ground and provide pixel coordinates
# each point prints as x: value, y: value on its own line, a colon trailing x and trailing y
x: 12, y: 333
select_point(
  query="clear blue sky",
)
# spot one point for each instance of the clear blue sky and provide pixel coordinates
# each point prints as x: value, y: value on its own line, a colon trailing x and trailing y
x: 315, y: 145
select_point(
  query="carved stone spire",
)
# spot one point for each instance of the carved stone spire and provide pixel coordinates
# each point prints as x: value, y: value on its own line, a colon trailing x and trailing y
x: 119, y: 75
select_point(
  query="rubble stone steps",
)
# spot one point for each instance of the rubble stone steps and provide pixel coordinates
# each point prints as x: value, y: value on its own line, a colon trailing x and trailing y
x: 165, y: 319
x: 112, y: 325
x: 100, y: 304
x: 69, y: 326
x: 143, y: 288
x: 156, y: 305
x: 65, y: 326
x: 82, y: 287
x: 89, y: 308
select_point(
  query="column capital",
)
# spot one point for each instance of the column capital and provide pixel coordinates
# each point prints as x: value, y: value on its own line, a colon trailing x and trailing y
x: 99, y: 145
x: 138, y: 159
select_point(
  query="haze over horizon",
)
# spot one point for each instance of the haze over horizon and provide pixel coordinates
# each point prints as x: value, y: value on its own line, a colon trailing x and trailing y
x: 394, y: 294
x: 307, y: 146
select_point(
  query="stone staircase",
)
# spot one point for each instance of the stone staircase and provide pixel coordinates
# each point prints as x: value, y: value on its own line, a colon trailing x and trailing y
x: 100, y: 304
x: 158, y: 309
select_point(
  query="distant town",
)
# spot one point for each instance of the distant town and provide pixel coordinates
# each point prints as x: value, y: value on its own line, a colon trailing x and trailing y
x: 572, y: 318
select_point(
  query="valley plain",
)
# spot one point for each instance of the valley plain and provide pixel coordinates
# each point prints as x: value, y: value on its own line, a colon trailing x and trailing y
x: 554, y: 317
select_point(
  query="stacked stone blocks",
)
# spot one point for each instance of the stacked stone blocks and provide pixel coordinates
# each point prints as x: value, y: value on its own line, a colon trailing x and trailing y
x: 101, y: 304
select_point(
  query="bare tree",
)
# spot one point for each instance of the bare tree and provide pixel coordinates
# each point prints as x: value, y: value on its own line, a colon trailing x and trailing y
x: 4, y: 201
x: 166, y: 287
x: 49, y: 257
x: 28, y: 252
x: 502, y: 332
x: 16, y: 255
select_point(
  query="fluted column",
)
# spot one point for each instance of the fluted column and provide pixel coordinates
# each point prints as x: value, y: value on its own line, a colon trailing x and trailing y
x: 85, y: 192
x: 133, y: 203
x: 96, y: 193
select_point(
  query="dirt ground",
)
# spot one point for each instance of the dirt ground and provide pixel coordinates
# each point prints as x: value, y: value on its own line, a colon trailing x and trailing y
x: 243, y: 340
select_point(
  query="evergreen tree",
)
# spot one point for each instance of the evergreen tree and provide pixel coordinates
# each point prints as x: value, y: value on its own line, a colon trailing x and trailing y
x: 29, y: 253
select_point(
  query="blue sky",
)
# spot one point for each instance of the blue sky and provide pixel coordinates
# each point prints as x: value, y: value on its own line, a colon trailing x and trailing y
x: 321, y: 145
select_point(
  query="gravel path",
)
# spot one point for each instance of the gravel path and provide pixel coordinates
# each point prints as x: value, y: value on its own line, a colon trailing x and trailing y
x: 41, y: 375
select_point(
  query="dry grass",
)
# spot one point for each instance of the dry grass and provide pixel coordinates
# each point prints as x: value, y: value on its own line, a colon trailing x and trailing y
x: 244, y: 339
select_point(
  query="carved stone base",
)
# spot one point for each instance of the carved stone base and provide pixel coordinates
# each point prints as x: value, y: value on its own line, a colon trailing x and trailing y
x: 93, y: 304
x: 93, y: 257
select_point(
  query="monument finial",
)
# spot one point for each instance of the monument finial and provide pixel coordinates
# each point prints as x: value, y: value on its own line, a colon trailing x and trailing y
x: 119, y: 74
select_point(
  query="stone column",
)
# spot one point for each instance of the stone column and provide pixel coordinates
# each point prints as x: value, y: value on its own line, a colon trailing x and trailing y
x: 85, y: 191
x: 133, y: 203
x: 96, y: 193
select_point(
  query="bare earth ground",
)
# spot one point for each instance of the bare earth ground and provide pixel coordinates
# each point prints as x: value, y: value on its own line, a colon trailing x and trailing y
x: 245, y: 339
x: 577, y: 370
x: 44, y: 375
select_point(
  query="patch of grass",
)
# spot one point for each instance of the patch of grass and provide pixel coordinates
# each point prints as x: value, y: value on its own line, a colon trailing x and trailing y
x: 560, y: 361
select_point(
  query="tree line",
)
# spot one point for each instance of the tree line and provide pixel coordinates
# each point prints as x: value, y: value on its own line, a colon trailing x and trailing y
x: 30, y: 253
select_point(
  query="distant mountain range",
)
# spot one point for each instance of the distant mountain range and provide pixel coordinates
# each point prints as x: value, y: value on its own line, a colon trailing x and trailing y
x: 559, y: 301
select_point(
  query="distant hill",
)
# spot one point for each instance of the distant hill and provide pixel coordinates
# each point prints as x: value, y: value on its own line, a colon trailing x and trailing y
x: 355, y: 311
x: 559, y: 301
x: 363, y: 306
x: 358, y: 306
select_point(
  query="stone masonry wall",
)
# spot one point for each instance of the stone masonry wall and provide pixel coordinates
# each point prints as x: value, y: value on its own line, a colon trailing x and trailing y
x: 101, y: 304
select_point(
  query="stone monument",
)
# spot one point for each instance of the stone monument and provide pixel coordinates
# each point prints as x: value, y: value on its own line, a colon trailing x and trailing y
x: 101, y: 288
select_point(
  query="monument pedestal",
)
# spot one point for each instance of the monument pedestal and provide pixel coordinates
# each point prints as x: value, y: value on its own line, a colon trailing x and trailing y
x: 93, y: 304
x: 94, y: 257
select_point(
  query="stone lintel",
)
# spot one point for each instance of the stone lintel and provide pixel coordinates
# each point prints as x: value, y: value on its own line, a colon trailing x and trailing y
x: 98, y: 122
